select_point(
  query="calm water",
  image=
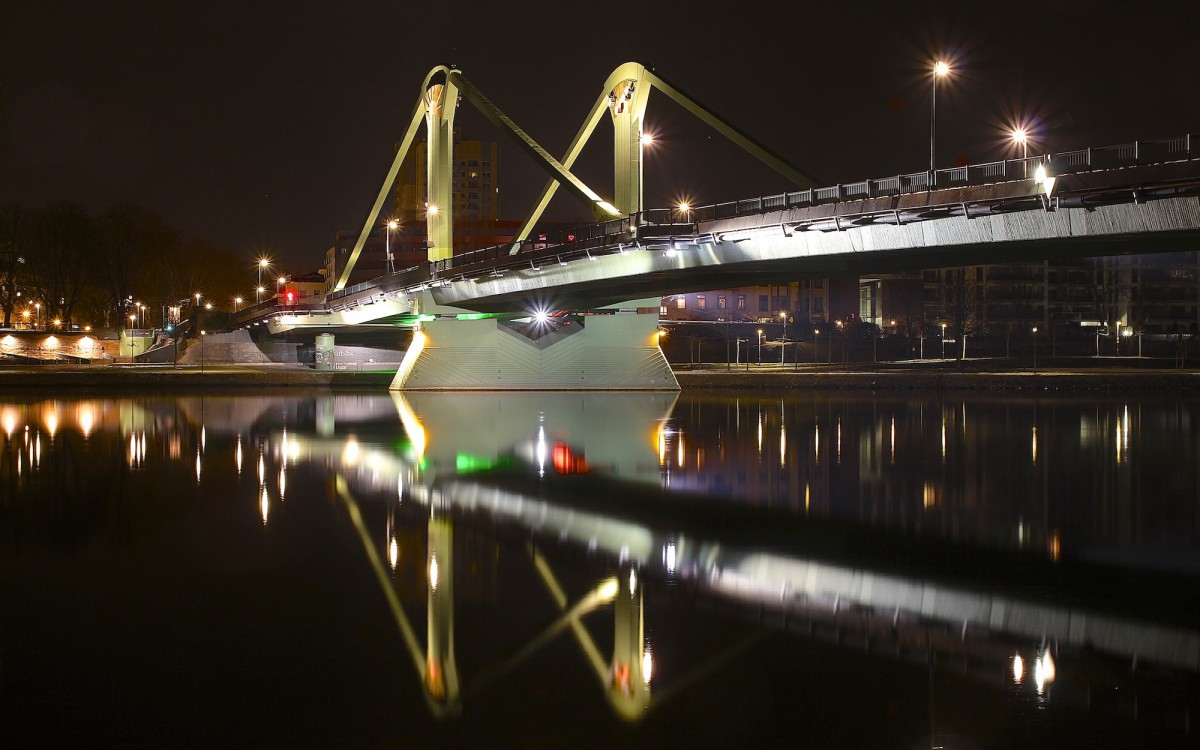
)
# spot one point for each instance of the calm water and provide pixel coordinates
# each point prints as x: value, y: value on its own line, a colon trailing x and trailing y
x: 588, y: 570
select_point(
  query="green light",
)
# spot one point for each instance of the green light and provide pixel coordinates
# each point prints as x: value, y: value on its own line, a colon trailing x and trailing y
x: 477, y: 316
x: 465, y: 463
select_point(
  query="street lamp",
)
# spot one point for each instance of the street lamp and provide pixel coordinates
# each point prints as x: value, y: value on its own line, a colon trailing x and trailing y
x: 25, y: 314
x: 816, y: 345
x: 141, y: 314
x: 262, y: 263
x: 944, y: 340
x: 1035, y: 347
x: 783, y: 342
x: 236, y: 301
x: 644, y: 140
x: 760, y: 338
x: 391, y: 225
x: 132, y: 319
x: 258, y: 293
x: 1021, y: 137
x: 37, y: 323
x: 941, y: 69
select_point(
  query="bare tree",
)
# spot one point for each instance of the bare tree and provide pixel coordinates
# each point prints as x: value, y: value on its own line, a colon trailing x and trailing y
x: 13, y: 265
x: 63, y: 244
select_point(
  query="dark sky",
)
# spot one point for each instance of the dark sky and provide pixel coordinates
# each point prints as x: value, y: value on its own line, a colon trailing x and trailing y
x: 267, y: 126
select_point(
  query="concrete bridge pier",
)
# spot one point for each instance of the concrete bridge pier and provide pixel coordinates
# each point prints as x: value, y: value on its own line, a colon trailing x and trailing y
x: 610, y: 349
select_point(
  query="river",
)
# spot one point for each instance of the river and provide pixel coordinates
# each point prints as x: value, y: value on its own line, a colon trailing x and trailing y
x: 750, y: 569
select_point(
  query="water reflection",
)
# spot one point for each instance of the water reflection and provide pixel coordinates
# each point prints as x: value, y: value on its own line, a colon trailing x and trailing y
x: 728, y: 498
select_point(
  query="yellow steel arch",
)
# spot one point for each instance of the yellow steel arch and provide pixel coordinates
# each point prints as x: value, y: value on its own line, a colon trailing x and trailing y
x: 625, y: 95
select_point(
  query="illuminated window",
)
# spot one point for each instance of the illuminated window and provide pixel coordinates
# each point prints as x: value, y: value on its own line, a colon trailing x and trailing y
x: 741, y: 302
x: 680, y: 302
x: 700, y: 301
x: 721, y: 301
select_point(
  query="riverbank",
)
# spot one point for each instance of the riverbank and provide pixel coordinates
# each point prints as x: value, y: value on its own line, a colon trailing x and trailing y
x: 166, y: 377
x: 923, y: 375
x: 925, y: 378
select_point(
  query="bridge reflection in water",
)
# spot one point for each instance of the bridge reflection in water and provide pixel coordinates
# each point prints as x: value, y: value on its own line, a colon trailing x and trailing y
x: 512, y: 444
x: 587, y: 471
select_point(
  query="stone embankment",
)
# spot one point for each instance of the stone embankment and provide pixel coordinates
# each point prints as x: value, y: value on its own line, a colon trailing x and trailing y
x: 866, y: 378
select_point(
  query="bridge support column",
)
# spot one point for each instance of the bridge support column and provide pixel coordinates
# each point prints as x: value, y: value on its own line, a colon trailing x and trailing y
x: 617, y: 351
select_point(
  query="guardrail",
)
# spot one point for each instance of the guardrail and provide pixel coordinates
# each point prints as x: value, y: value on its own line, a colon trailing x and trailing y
x: 668, y: 225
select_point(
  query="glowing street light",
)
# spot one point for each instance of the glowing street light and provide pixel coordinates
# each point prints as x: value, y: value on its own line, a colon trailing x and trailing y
x: 263, y: 263
x: 236, y: 301
x: 1035, y: 347
x: 943, y: 325
x: 760, y: 338
x: 37, y: 306
x: 1021, y: 138
x: 391, y: 225
x: 941, y: 69
x: 783, y: 343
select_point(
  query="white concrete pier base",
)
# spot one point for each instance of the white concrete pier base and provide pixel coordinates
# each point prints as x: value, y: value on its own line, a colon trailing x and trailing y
x: 616, y: 351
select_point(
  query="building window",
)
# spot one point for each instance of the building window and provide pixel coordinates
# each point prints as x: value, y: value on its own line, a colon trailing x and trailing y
x: 721, y: 301
x: 700, y: 301
x: 762, y: 303
x: 680, y: 302
x: 741, y: 302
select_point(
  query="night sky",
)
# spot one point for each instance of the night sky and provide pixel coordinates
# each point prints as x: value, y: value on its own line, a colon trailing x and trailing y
x: 268, y: 126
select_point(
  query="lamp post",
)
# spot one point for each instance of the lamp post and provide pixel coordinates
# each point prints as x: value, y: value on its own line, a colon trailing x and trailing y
x: 783, y: 342
x: 141, y: 314
x: 132, y: 319
x: 258, y: 293
x: 1035, y: 347
x: 760, y: 338
x: 1020, y: 137
x: 645, y: 139
x: 262, y: 264
x: 236, y: 301
x: 816, y: 344
x: 943, y: 325
x: 390, y: 226
x: 37, y: 323
x: 940, y: 70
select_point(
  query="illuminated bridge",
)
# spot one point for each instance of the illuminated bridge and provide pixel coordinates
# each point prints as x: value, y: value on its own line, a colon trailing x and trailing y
x: 583, y: 313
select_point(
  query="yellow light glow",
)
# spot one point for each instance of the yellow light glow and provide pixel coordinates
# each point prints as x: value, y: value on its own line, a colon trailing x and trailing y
x: 433, y: 572
x: 9, y: 419
x: 8, y: 342
x: 86, y: 415
x: 647, y: 139
x: 50, y: 343
x: 607, y: 591
x: 351, y: 453
x: 433, y: 210
x: 393, y: 552
x: 52, y: 422
x: 85, y: 344
x: 264, y: 505
x: 647, y: 666
x: 941, y: 68
x: 1018, y: 668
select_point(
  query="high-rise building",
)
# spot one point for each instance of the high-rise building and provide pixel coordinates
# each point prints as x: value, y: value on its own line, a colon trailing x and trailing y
x: 476, y: 182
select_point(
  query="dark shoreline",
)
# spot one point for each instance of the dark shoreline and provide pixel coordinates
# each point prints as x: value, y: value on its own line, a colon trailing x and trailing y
x: 883, y: 377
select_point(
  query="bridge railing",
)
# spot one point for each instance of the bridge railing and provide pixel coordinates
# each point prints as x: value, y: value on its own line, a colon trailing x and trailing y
x: 666, y: 223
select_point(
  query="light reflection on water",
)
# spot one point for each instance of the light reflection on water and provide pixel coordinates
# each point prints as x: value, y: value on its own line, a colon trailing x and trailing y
x: 1052, y: 479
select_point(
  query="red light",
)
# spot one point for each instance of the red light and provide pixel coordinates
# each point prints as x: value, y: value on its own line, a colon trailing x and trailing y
x: 567, y: 461
x: 291, y: 297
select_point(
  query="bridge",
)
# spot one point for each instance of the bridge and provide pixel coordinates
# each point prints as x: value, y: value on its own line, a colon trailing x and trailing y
x: 583, y: 313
